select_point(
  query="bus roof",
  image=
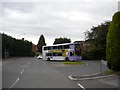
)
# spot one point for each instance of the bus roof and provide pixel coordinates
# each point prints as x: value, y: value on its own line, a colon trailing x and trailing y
x: 61, y: 44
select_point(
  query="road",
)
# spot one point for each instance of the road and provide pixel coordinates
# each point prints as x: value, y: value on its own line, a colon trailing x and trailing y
x: 33, y: 73
x: 30, y: 72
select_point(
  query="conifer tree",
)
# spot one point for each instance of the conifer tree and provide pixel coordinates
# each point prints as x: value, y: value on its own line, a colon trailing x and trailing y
x: 113, y: 43
x: 41, y: 43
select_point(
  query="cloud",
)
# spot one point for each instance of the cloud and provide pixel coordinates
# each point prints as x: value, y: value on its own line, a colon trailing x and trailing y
x: 54, y: 18
x: 85, y: 1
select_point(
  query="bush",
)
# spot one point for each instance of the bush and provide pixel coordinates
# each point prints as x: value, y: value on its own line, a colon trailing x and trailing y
x: 38, y: 53
x: 33, y: 53
x: 95, y: 53
x: 113, y: 43
x: 87, y: 55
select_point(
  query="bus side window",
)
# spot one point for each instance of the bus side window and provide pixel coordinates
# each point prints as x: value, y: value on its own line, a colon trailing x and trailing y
x: 55, y: 54
x: 55, y: 47
x: 45, y: 48
x: 66, y: 47
x: 59, y: 54
x: 49, y: 48
x: 48, y: 54
x: 60, y: 47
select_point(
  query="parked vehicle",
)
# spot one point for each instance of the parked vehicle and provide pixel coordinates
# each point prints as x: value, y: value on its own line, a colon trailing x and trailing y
x: 39, y: 57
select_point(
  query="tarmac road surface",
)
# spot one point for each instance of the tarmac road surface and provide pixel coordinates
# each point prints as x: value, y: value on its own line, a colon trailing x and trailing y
x: 30, y: 72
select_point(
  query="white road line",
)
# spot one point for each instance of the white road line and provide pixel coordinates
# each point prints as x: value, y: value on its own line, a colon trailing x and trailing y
x: 22, y: 71
x: 15, y: 83
x: 81, y: 86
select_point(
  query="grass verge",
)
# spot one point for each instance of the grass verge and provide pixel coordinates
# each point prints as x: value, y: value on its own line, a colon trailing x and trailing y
x: 111, y: 72
x: 72, y: 63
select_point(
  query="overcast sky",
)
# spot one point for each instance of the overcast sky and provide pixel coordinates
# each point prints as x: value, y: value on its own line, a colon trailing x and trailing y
x: 53, y: 18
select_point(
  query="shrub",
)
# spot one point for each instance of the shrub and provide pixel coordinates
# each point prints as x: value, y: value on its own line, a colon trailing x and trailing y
x: 33, y: 53
x: 113, y: 43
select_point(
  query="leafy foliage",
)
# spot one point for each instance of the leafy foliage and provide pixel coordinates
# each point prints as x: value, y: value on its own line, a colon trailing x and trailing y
x: 41, y: 43
x: 15, y: 47
x: 97, y: 39
x: 113, y: 43
x: 61, y: 40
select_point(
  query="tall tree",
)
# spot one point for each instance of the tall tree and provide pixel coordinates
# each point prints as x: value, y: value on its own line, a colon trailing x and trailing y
x: 41, y: 43
x: 97, y: 38
x: 61, y: 40
x: 113, y: 43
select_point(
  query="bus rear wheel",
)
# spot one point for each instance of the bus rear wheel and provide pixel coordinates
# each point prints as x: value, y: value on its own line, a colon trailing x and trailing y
x: 66, y: 59
x: 48, y: 59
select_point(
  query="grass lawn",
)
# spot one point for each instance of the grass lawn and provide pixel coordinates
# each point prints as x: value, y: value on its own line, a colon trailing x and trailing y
x: 72, y: 63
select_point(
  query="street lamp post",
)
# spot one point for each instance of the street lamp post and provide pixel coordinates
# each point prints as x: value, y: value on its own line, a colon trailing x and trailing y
x: 101, y: 66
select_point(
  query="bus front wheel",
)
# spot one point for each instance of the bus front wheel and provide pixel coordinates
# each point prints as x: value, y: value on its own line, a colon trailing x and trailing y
x: 66, y: 59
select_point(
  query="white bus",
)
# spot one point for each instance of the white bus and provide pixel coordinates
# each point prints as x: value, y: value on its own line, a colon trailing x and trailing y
x: 67, y: 52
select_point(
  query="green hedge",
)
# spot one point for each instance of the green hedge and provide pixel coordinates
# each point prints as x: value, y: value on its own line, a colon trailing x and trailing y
x: 15, y: 47
x: 113, y: 43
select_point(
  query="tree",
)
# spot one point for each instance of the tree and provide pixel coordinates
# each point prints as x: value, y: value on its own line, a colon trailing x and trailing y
x: 113, y: 43
x: 61, y: 40
x: 41, y: 43
x: 15, y: 47
x: 97, y: 39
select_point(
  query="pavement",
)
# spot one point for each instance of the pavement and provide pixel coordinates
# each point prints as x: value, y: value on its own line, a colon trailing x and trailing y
x: 92, y: 76
x: 88, y: 75
x: 110, y: 79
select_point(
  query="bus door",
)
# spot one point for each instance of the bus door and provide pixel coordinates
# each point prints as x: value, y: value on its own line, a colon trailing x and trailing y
x: 72, y: 56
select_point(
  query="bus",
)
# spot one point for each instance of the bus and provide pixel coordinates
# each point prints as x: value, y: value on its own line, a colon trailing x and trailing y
x: 65, y: 52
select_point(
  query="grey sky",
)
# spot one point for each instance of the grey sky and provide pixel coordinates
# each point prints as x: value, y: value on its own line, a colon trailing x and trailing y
x: 54, y: 18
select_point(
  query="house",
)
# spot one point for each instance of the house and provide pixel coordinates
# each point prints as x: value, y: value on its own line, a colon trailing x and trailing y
x: 85, y: 45
x: 34, y: 47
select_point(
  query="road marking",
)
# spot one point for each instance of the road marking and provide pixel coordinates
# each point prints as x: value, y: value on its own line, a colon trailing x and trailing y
x: 15, y: 83
x: 22, y: 71
x: 81, y: 86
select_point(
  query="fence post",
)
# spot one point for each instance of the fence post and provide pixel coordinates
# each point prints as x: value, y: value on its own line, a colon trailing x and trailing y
x: 101, y: 66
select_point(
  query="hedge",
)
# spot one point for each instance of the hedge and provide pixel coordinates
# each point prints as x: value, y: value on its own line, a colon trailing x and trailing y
x: 113, y: 43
